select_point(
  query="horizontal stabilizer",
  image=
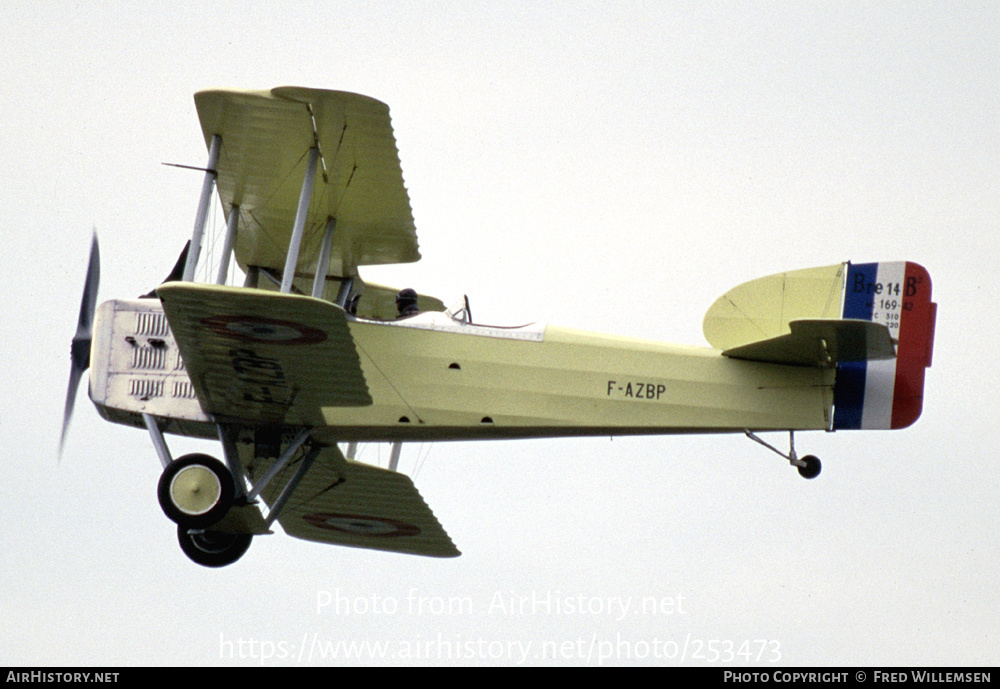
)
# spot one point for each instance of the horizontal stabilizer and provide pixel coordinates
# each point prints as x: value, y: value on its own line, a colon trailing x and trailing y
x: 348, y: 503
x: 821, y: 343
x: 264, y: 357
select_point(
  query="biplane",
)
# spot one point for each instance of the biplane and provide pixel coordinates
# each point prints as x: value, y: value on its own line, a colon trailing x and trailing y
x: 306, y: 356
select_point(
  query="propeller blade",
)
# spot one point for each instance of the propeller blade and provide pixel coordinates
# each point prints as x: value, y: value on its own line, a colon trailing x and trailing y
x: 74, y: 380
x: 89, y: 301
x: 80, y: 348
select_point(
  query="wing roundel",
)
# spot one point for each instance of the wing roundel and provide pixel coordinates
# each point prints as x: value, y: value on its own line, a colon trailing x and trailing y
x: 264, y: 357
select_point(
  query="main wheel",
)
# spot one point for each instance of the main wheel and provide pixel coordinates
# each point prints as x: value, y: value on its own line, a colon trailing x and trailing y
x: 812, y: 467
x: 213, y: 548
x: 196, y: 491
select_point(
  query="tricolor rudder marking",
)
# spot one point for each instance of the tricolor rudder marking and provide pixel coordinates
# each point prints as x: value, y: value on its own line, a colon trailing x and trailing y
x: 887, y: 394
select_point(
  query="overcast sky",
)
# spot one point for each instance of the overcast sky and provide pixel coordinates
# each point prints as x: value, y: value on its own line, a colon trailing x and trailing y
x: 610, y: 167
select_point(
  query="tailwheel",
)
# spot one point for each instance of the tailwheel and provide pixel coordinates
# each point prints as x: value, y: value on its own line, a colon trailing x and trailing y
x: 196, y: 491
x: 810, y: 467
x: 213, y: 548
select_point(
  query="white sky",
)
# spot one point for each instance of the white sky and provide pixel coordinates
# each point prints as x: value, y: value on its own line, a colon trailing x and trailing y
x: 611, y: 167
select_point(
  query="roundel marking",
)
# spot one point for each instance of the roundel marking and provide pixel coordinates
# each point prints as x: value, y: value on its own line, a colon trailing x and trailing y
x: 264, y: 330
x: 361, y: 525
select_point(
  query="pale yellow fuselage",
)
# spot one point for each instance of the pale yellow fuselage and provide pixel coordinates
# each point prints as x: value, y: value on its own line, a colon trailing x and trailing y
x: 449, y: 385
x: 433, y: 378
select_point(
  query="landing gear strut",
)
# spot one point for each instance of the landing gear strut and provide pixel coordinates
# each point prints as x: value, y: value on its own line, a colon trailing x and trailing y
x: 808, y: 466
x: 215, y: 515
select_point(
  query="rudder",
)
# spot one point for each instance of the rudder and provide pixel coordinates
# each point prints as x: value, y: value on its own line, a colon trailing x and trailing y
x: 887, y: 394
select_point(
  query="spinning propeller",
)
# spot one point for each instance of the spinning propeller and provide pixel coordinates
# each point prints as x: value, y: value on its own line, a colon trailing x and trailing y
x: 80, y: 350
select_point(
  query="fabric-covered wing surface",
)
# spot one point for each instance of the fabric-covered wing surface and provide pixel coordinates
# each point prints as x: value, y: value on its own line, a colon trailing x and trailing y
x: 348, y: 503
x: 266, y: 137
x: 264, y: 357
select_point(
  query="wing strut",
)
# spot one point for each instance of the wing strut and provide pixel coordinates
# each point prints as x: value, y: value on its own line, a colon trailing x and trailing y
x: 292, y: 260
x: 394, y: 456
x: 319, y: 281
x: 227, y: 249
x: 206, y: 196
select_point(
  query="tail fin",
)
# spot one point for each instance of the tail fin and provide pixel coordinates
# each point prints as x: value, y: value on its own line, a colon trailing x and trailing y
x: 779, y: 318
x: 889, y: 393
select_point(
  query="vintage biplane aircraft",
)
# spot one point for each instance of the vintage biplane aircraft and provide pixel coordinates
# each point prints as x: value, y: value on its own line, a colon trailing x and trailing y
x: 306, y: 355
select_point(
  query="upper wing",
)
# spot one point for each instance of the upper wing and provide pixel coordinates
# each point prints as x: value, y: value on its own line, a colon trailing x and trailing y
x: 266, y: 136
x: 353, y: 504
x: 264, y: 357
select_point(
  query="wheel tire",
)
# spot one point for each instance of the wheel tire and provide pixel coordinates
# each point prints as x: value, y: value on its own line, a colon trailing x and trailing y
x: 213, y: 548
x: 196, y: 491
x: 812, y: 467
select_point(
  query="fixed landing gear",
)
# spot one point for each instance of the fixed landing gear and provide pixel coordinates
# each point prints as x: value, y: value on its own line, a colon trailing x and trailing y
x: 209, y: 501
x: 196, y: 491
x: 809, y: 466
x: 213, y: 548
